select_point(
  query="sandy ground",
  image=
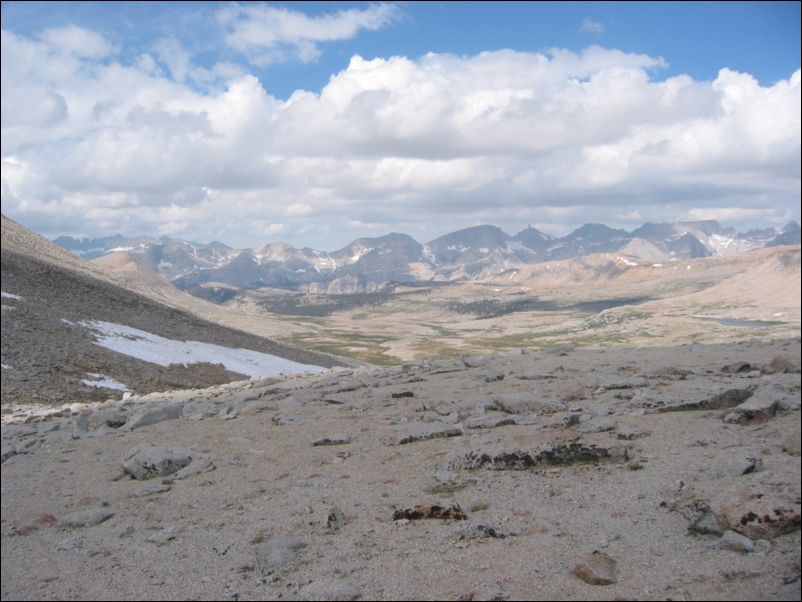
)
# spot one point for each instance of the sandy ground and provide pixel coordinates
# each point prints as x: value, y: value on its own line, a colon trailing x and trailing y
x: 281, y: 518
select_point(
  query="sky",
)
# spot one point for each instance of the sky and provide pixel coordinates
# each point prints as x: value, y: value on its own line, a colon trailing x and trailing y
x: 317, y: 123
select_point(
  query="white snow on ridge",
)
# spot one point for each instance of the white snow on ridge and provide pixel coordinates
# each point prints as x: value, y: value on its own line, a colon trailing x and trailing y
x: 6, y: 295
x: 159, y: 350
x: 103, y: 382
x: 627, y: 261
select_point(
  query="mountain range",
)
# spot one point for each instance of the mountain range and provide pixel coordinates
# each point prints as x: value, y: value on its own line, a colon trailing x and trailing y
x: 370, y: 264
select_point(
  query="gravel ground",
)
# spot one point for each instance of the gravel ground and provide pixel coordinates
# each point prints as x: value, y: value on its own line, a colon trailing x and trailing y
x: 667, y: 473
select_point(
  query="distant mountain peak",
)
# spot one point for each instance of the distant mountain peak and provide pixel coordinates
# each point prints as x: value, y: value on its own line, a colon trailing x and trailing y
x: 369, y: 263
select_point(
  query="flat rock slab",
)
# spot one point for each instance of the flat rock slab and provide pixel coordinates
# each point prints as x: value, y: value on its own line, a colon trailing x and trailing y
x: 596, y: 568
x: 597, y: 425
x: 151, y: 462
x: 85, y: 518
x: 427, y: 431
x: 521, y: 403
x: 170, y: 411
x: 728, y: 399
x: 552, y: 455
x: 760, y: 407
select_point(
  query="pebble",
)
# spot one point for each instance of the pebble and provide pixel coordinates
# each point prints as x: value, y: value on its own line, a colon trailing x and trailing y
x: 596, y: 568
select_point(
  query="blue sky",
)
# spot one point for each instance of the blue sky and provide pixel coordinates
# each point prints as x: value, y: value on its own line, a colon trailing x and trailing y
x: 697, y: 38
x: 619, y: 112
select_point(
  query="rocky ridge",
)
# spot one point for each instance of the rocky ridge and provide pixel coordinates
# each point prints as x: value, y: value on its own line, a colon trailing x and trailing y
x: 373, y: 264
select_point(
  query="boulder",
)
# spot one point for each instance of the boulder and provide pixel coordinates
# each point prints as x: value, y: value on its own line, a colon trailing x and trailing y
x: 151, y: 462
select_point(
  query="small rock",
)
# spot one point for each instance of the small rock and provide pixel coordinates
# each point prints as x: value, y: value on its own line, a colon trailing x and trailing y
x: 335, y: 519
x: 628, y: 433
x: 336, y: 439
x: 596, y: 568
x: 781, y: 365
x: 80, y: 426
x: 427, y: 431
x: 735, y: 542
x: 701, y: 518
x: 479, y: 531
x: 330, y: 589
x: 736, y: 367
x: 276, y: 553
x: 286, y: 420
x: 162, y: 536
x: 86, y: 518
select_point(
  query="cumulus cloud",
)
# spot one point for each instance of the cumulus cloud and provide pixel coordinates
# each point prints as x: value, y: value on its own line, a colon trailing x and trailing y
x: 423, y: 145
x: 268, y: 34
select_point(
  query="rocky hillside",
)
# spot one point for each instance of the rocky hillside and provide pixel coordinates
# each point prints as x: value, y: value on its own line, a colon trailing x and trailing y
x: 64, y: 322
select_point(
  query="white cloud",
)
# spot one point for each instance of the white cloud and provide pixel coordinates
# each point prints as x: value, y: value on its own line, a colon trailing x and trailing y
x: 78, y: 41
x: 590, y: 26
x: 419, y: 145
x: 271, y: 34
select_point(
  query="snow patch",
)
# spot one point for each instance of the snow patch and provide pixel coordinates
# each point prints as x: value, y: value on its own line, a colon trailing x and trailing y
x: 103, y: 382
x: 359, y: 254
x: 159, y: 350
x: 6, y: 295
x: 115, y: 249
x: 627, y: 261
x: 6, y: 367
